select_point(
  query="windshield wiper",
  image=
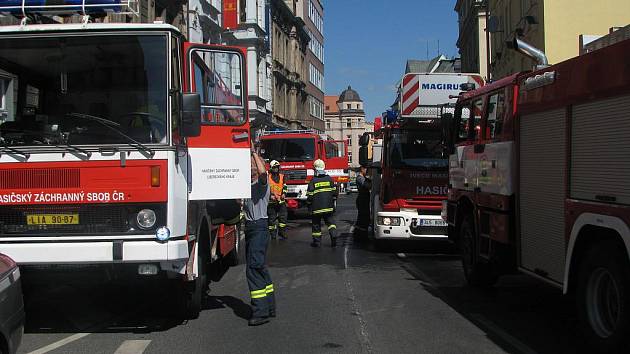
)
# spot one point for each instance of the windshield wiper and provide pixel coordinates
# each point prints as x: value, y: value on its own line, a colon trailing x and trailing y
x: 112, y: 126
x: 6, y: 148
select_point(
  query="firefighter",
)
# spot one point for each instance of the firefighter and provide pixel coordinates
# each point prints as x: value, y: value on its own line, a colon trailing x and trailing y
x: 277, y: 210
x: 321, y: 195
x: 256, y: 241
x: 364, y: 185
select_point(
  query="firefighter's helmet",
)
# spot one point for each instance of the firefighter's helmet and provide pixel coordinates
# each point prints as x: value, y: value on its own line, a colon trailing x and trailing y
x: 274, y: 163
x: 319, y: 165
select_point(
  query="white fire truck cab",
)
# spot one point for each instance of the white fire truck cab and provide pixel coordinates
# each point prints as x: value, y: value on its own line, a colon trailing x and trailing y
x: 121, y: 146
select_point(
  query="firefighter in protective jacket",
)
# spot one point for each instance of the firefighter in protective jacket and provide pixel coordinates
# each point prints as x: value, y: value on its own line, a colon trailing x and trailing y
x: 277, y: 209
x: 321, y: 194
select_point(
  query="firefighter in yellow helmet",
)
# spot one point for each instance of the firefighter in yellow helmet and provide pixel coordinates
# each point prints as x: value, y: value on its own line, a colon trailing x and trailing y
x: 321, y: 194
x: 277, y: 209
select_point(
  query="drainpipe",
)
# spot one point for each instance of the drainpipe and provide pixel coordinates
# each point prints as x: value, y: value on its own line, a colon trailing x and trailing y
x: 530, y: 51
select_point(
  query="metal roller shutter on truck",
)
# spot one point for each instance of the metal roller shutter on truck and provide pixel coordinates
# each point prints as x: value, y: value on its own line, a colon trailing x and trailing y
x: 542, y: 149
x: 600, y: 151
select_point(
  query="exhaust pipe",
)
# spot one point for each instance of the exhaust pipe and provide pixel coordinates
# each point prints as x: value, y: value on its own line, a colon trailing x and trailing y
x: 529, y: 51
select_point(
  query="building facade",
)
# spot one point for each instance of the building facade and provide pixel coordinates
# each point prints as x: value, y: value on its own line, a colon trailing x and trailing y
x: 312, y: 13
x: 554, y: 26
x: 345, y: 120
x: 289, y: 45
x: 247, y: 24
x: 473, y: 38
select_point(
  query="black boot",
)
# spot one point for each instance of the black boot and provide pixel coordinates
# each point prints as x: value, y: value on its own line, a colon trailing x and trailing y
x: 315, y: 243
x: 333, y: 242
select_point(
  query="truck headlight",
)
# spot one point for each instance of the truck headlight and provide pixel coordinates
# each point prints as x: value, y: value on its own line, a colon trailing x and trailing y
x: 389, y: 221
x: 146, y: 219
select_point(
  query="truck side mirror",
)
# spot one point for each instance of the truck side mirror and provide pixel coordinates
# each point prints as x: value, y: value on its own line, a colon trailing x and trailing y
x: 364, y: 140
x: 191, y: 115
x: 364, y: 159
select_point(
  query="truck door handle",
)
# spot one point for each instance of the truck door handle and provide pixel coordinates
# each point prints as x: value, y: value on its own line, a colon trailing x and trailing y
x: 479, y: 148
x: 241, y: 136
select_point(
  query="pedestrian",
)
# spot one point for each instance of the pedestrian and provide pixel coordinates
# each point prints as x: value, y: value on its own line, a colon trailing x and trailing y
x: 256, y: 240
x: 277, y: 210
x: 321, y: 195
x: 364, y: 185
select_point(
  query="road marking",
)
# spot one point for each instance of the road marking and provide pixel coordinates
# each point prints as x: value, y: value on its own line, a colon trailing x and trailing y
x: 506, y: 337
x: 60, y: 343
x: 133, y: 347
x: 356, y: 310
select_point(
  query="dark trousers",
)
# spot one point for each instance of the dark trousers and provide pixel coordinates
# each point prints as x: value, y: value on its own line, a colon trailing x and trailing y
x: 258, y: 277
x: 363, y: 212
x: 329, y: 220
x: 277, y: 212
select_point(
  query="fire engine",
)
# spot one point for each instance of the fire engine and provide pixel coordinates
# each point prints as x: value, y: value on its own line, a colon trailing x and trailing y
x: 541, y: 187
x: 122, y: 146
x: 296, y: 150
x: 409, y: 164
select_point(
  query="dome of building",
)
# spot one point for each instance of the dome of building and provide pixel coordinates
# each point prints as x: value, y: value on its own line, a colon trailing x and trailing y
x: 349, y: 95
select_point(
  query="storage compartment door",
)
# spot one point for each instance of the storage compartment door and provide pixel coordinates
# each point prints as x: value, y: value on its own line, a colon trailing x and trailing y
x: 542, y: 148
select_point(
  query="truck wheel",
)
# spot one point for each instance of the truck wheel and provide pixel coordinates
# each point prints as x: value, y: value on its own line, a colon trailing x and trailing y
x: 603, y: 298
x: 477, y: 272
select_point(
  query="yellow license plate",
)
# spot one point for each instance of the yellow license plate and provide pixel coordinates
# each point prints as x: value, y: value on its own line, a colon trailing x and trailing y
x: 52, y: 219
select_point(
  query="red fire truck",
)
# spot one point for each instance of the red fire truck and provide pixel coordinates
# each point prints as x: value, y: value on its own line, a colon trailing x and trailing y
x: 409, y: 164
x: 122, y: 146
x: 541, y: 187
x: 296, y: 150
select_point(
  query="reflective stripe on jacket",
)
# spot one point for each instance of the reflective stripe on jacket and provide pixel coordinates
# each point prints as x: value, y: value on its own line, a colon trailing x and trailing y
x: 321, y: 194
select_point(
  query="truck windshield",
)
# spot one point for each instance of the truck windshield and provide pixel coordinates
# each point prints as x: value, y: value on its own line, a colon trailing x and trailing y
x: 422, y: 149
x: 67, y: 90
x: 298, y: 149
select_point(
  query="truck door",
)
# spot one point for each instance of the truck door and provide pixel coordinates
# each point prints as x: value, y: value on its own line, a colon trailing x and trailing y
x: 220, y: 156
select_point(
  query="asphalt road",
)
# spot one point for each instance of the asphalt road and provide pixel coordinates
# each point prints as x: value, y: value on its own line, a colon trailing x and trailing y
x: 406, y: 298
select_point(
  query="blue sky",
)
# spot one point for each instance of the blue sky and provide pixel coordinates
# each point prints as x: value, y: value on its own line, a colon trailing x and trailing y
x: 367, y: 43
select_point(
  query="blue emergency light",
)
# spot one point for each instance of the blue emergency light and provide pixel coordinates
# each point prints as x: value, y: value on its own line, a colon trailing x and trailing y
x: 25, y: 7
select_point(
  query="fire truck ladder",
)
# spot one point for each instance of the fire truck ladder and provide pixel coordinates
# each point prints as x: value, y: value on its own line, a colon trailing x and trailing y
x: 276, y: 132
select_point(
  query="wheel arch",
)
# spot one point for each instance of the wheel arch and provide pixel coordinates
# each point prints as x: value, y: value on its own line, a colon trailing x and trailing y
x: 589, y: 229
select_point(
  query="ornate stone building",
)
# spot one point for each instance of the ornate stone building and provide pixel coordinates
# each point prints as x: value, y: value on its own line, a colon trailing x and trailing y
x: 345, y: 120
x: 289, y: 44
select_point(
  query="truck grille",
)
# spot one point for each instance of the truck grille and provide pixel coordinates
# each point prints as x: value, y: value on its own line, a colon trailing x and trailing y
x: 93, y: 220
x: 35, y: 178
x: 294, y: 175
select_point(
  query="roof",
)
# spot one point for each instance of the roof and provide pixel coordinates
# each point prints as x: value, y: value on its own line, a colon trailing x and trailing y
x: 439, y: 64
x: 330, y: 104
x: 349, y: 95
x: 87, y: 27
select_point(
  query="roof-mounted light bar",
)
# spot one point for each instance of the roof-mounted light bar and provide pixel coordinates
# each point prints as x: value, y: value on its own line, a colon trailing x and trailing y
x: 67, y: 7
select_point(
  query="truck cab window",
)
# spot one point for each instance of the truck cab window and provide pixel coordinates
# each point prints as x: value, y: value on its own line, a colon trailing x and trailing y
x: 496, y: 110
x: 462, y: 116
x: 84, y: 90
x: 217, y: 78
x: 474, y: 128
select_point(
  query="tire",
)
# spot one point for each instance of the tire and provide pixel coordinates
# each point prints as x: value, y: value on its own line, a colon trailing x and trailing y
x: 477, y: 272
x: 603, y: 298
